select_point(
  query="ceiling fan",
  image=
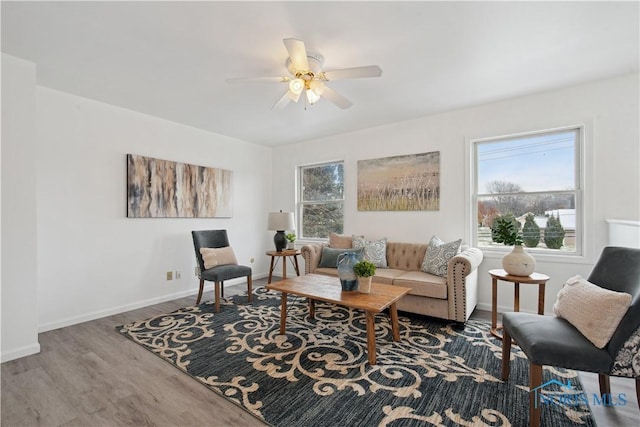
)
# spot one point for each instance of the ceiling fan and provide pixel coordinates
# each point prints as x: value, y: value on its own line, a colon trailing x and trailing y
x: 307, y: 76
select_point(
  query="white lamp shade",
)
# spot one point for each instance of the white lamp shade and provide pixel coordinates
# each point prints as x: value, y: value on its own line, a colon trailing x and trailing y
x: 281, y: 221
x: 312, y: 97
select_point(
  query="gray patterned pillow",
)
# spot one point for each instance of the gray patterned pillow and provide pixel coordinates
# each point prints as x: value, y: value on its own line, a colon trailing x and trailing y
x: 374, y: 251
x: 438, y: 255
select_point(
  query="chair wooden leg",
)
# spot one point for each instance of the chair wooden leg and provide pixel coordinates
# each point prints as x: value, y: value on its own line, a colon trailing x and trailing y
x: 200, y: 291
x: 605, y: 384
x: 506, y: 355
x: 222, y: 288
x: 249, y: 288
x: 535, y: 381
x: 217, y: 292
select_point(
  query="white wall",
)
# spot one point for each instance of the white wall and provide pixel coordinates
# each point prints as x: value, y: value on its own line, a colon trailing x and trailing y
x: 19, y: 254
x: 610, y: 110
x: 67, y: 244
x: 93, y: 260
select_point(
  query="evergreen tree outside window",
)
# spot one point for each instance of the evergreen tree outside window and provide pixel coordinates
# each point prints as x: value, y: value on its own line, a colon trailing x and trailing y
x: 535, y: 177
x: 321, y: 200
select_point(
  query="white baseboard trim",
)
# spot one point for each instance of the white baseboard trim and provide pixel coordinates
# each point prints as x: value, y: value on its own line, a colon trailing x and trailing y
x: 132, y: 306
x: 111, y: 311
x: 505, y: 308
x: 17, y: 353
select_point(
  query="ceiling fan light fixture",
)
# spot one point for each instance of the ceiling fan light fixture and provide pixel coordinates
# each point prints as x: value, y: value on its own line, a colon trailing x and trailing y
x: 312, y: 97
x: 307, y: 75
x: 296, y: 86
x: 317, y: 87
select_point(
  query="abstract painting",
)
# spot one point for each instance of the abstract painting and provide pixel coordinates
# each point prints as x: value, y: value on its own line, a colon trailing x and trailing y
x: 165, y: 189
x: 400, y: 183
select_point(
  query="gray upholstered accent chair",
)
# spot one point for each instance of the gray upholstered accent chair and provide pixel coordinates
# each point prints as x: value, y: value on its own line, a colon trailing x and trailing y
x: 550, y: 340
x: 220, y: 273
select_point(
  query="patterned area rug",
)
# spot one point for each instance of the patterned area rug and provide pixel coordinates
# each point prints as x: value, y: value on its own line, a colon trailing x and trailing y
x: 439, y: 373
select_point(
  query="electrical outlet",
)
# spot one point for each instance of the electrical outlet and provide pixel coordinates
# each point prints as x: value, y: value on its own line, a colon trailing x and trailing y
x: 169, y: 275
x: 178, y: 274
x: 197, y: 271
x: 252, y: 260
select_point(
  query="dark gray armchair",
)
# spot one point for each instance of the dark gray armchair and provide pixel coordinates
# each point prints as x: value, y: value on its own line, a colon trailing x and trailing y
x: 218, y: 274
x: 550, y: 340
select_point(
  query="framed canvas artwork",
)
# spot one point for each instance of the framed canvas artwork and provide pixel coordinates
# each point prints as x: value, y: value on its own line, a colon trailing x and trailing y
x: 400, y: 183
x: 165, y: 189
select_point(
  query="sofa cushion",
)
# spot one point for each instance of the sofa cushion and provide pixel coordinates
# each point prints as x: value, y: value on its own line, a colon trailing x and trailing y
x: 329, y: 257
x: 405, y: 256
x: 423, y: 284
x: 438, y: 255
x: 386, y: 275
x: 375, y: 251
x: 340, y: 241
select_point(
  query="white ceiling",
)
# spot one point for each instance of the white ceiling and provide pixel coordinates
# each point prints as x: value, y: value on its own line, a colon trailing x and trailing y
x: 171, y: 59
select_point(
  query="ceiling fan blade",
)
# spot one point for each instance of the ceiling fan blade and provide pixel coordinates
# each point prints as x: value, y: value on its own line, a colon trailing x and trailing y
x: 282, y: 102
x: 294, y: 96
x: 352, y: 73
x: 259, y: 80
x: 297, y: 53
x: 336, y: 98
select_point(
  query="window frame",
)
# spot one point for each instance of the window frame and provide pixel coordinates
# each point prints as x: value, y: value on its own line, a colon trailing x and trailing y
x: 300, y: 202
x: 583, y: 161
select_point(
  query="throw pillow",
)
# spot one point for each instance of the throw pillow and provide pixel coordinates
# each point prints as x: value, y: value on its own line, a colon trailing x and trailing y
x: 340, y: 241
x: 214, y: 257
x: 438, y: 255
x: 374, y: 251
x: 594, y: 311
x: 329, y: 256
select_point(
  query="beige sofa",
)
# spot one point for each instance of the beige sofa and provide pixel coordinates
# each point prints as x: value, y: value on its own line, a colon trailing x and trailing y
x: 453, y: 297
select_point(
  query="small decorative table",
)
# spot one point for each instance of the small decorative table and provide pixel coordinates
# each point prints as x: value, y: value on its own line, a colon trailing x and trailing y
x: 499, y: 274
x: 275, y: 256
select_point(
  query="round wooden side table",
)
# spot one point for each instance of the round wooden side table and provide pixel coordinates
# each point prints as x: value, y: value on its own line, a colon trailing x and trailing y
x: 500, y: 274
x: 275, y: 256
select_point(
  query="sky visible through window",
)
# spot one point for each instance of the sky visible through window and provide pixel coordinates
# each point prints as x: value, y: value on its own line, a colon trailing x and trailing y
x: 536, y: 162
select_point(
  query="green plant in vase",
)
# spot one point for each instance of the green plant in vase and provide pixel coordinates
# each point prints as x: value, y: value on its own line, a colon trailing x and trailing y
x: 505, y: 230
x: 365, y: 270
x: 291, y: 238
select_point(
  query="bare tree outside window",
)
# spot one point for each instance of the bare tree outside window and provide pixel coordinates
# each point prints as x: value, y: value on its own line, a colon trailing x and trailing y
x: 321, y: 200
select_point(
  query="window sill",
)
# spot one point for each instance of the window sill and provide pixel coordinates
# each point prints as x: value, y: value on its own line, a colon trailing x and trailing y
x: 302, y: 242
x: 540, y: 257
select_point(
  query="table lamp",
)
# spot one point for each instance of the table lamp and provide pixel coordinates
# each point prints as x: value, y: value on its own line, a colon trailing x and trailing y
x: 279, y: 222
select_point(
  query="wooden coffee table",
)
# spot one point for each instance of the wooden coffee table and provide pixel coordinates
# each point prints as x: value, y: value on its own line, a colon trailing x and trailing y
x: 328, y: 289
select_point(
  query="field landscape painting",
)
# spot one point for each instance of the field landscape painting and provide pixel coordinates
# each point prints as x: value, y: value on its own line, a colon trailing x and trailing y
x: 400, y: 183
x: 165, y: 189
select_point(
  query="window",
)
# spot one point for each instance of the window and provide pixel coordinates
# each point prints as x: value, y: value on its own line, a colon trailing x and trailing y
x: 321, y: 200
x: 535, y: 181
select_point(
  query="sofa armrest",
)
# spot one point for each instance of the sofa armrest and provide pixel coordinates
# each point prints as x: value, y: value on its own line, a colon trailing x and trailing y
x: 462, y: 283
x: 469, y: 259
x: 311, y: 254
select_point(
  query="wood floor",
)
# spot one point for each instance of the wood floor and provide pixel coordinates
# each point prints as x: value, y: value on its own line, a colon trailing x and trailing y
x: 89, y: 375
